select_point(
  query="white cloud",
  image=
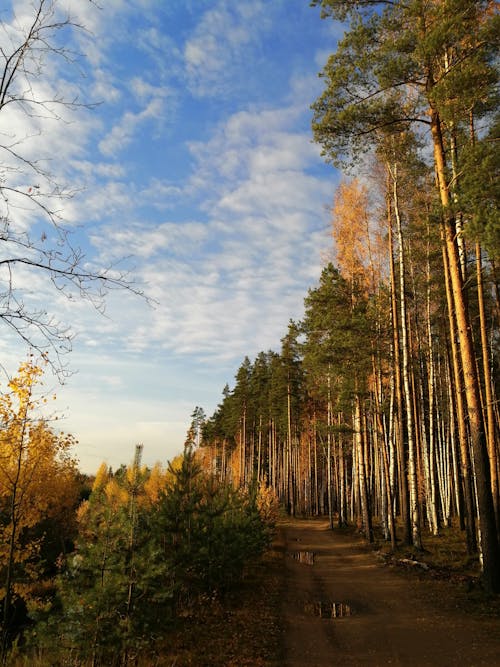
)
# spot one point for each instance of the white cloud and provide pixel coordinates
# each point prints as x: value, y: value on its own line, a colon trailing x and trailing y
x: 105, y: 170
x: 144, y: 242
x: 123, y: 132
x: 105, y: 89
x: 226, y: 229
x: 162, y: 194
x: 248, y: 266
x: 163, y: 51
x: 106, y: 199
x: 214, y: 53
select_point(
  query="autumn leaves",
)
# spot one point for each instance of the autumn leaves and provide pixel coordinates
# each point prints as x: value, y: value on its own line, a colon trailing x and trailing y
x: 103, y: 579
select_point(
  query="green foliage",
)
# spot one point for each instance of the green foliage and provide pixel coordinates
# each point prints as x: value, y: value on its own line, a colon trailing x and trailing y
x: 260, y: 394
x: 140, y: 563
x: 395, y: 61
x: 480, y: 191
x: 337, y: 335
x: 211, y: 529
x: 114, y: 593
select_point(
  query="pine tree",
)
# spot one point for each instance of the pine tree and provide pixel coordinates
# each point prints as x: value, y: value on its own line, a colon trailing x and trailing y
x: 115, y: 592
x: 401, y: 64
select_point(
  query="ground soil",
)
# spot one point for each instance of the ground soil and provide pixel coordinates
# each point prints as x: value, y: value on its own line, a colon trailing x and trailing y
x: 399, y: 616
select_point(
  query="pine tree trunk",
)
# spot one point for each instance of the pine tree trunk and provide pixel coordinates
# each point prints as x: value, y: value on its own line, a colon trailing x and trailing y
x: 316, y: 487
x: 488, y: 536
x: 458, y: 397
x: 329, y: 455
x: 259, y: 450
x: 342, y: 518
x: 290, y: 489
x: 488, y: 393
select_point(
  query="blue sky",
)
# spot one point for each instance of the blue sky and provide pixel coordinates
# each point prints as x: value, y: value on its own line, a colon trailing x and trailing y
x: 197, y: 166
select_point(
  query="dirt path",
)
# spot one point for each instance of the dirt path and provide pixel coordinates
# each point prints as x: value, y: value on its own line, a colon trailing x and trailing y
x: 397, y: 618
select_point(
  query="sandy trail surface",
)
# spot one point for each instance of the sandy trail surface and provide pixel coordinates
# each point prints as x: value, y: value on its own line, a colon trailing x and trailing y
x: 397, y: 618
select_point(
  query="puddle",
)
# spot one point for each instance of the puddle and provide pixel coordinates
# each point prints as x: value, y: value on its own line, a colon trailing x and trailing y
x: 324, y: 609
x: 306, y: 557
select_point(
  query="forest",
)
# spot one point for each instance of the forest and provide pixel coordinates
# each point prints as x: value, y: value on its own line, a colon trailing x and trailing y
x: 381, y: 406
x: 379, y: 410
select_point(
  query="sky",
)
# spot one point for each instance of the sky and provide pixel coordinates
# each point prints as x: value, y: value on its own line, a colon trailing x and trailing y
x: 191, y: 164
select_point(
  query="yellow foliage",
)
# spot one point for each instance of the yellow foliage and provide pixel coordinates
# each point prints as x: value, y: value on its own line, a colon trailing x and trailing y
x: 82, y: 511
x: 155, y: 484
x: 37, y: 475
x: 131, y: 475
x: 267, y: 504
x: 101, y: 478
x: 117, y: 496
x: 353, y: 234
x: 175, y: 465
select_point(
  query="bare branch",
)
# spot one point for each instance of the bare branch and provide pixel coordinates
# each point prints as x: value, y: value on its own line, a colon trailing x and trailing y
x: 25, y: 54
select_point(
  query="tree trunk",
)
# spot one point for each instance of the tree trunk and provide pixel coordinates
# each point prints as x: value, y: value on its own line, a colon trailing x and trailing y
x: 430, y: 447
x: 488, y: 535
x: 458, y: 398
x: 329, y: 454
x: 488, y: 393
x: 361, y: 471
x: 399, y: 427
x: 410, y: 433
x: 290, y: 489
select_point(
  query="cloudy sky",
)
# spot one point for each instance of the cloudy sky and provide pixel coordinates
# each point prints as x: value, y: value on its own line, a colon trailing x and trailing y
x: 194, y: 169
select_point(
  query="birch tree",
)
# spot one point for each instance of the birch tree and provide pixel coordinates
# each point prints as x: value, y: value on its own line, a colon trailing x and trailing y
x: 37, y: 480
x: 406, y: 64
x: 36, y: 241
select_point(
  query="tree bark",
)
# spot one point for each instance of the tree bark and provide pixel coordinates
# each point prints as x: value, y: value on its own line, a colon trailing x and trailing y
x: 488, y: 393
x: 458, y: 400
x: 416, y: 539
x: 361, y: 471
x: 396, y: 365
x: 488, y: 535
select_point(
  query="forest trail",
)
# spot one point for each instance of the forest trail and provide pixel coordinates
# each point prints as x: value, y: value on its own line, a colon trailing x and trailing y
x: 397, y: 618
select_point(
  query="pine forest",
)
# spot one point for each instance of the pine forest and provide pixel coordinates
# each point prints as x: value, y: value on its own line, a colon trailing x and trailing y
x: 378, y: 410
x: 381, y: 403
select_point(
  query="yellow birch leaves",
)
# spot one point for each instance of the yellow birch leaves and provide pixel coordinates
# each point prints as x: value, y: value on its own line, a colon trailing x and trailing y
x: 37, y: 478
